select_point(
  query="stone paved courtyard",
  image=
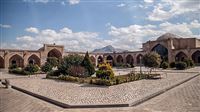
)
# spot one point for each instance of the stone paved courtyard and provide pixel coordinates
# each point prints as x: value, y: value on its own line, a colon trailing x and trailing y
x: 75, y: 94
x: 184, y: 98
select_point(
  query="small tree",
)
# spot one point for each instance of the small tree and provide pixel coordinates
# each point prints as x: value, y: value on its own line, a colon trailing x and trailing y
x: 53, y: 61
x: 68, y: 61
x: 151, y: 60
x: 47, y: 67
x: 87, y: 64
x: 105, y: 71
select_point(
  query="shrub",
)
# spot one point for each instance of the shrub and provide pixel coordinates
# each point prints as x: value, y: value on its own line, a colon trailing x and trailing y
x: 69, y: 61
x: 189, y: 62
x: 13, y: 66
x: 104, y: 82
x: 53, y: 61
x: 69, y: 78
x: 105, y: 71
x: 151, y: 60
x: 181, y: 65
x: 54, y: 73
x: 164, y: 65
x: 18, y: 71
x: 77, y: 71
x: 87, y: 64
x: 47, y: 67
x: 31, y: 69
x: 172, y: 64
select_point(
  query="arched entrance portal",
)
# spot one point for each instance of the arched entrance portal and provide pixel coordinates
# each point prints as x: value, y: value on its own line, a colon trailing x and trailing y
x: 139, y: 59
x: 109, y: 60
x: 1, y: 62
x: 100, y: 60
x: 33, y: 59
x: 180, y: 56
x: 196, y: 57
x: 16, y: 60
x: 55, y: 53
x: 120, y: 59
x: 129, y: 59
x: 162, y: 51
x: 93, y: 60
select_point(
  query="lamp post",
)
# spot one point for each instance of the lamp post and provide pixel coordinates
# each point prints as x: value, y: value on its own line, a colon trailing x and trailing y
x: 140, y: 64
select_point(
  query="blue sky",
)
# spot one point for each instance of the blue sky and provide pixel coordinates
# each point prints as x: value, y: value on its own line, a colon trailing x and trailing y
x: 82, y: 25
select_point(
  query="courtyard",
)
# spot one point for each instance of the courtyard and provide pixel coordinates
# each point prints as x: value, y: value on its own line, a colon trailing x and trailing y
x: 75, y: 94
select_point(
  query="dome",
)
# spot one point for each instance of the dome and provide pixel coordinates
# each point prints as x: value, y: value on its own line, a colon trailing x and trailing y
x: 167, y: 36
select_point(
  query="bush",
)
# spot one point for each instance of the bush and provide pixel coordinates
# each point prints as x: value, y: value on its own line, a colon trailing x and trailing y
x: 151, y: 60
x: 87, y: 64
x: 181, y: 65
x: 13, y: 66
x: 53, y: 61
x: 18, y: 71
x: 69, y: 78
x: 105, y: 71
x: 172, y: 64
x: 189, y: 63
x: 164, y: 65
x: 77, y: 71
x: 47, y: 67
x: 68, y: 61
x: 31, y: 69
x: 104, y: 82
x: 54, y: 73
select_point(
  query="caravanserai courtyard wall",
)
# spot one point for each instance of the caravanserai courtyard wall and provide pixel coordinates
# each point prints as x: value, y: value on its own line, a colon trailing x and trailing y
x: 171, y: 48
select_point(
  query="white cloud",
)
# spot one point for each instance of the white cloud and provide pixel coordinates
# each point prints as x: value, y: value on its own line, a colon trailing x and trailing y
x: 38, y: 1
x: 5, y: 26
x: 73, y: 2
x: 121, y: 5
x: 148, y: 1
x: 129, y: 37
x: 32, y: 30
x: 171, y: 8
x: 63, y: 3
x: 73, y: 41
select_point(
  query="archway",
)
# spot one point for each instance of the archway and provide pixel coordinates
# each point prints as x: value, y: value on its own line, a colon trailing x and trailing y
x: 129, y: 59
x: 93, y: 60
x: 55, y: 53
x: 33, y: 59
x: 16, y: 60
x: 120, y: 59
x: 196, y: 57
x: 1, y: 62
x: 139, y: 59
x: 109, y: 60
x: 100, y: 59
x: 162, y: 51
x: 180, y: 56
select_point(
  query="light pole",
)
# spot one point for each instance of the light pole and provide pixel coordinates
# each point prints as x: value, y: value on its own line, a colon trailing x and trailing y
x: 140, y: 64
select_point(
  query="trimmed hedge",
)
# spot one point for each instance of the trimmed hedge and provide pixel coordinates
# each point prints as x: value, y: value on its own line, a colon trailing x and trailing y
x: 164, y: 65
x: 181, y: 65
x: 172, y: 65
x: 108, y: 82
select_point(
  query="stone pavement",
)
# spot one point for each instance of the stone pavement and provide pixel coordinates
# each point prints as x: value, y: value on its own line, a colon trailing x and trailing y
x: 184, y: 98
x: 14, y: 101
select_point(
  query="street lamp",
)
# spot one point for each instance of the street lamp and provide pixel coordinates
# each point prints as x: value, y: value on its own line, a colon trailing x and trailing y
x: 140, y: 64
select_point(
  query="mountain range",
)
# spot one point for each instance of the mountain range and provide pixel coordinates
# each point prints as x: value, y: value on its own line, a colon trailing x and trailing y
x: 108, y: 49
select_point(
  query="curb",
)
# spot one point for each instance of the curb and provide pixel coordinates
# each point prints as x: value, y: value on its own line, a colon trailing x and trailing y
x: 135, y: 103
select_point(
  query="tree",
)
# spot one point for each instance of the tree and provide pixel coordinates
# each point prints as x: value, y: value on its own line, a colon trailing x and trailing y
x: 87, y: 64
x: 151, y: 60
x: 68, y: 61
x: 53, y: 61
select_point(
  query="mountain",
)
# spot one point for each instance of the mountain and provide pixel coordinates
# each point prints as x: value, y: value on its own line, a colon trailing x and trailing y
x: 108, y: 49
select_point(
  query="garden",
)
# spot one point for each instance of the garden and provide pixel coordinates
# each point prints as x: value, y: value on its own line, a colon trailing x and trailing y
x: 76, y: 68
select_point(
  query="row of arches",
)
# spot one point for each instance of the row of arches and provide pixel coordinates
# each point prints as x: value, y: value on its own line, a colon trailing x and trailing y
x: 18, y: 60
x: 120, y: 60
